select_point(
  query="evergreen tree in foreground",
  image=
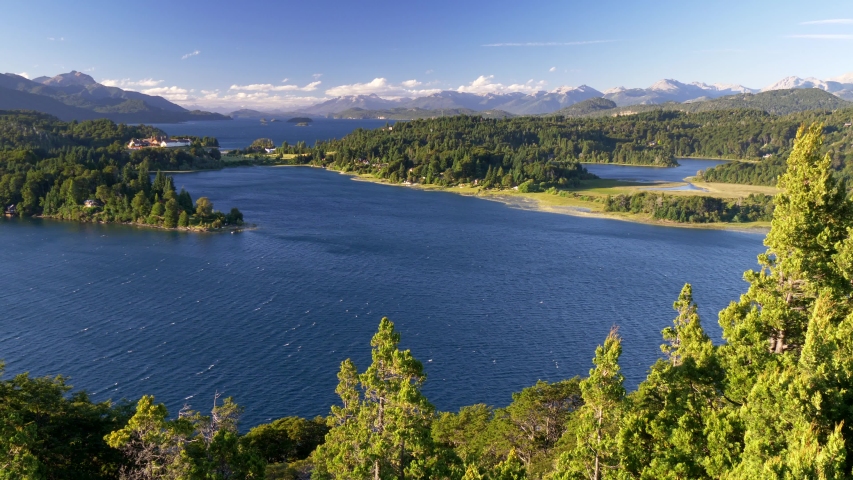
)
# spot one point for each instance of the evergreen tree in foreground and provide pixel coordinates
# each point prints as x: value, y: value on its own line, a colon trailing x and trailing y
x: 595, y: 424
x: 382, y: 428
x: 788, y: 355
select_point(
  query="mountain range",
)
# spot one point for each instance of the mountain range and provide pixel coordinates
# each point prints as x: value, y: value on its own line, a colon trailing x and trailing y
x: 77, y: 96
x: 543, y: 102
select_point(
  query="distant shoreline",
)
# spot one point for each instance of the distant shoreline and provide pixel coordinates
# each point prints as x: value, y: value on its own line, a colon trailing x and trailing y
x: 574, y: 207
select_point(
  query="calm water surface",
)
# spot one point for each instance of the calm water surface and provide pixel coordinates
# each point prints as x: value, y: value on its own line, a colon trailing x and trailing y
x: 688, y: 167
x: 489, y: 298
x: 242, y: 132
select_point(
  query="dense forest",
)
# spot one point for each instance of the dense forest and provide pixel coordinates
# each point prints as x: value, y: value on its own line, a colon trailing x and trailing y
x: 774, y: 400
x: 83, y: 171
x: 505, y: 153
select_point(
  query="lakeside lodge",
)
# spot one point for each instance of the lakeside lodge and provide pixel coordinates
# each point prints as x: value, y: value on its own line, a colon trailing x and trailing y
x: 158, y: 142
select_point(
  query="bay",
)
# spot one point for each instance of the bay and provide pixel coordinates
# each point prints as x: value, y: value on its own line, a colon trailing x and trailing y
x: 490, y: 298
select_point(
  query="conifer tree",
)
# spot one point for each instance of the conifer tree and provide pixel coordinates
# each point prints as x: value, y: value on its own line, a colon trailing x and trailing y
x: 663, y: 432
x: 788, y: 358
x: 810, y: 222
x: 382, y: 428
x: 594, y: 425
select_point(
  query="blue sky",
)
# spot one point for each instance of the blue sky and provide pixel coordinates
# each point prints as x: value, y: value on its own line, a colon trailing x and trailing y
x: 217, y: 53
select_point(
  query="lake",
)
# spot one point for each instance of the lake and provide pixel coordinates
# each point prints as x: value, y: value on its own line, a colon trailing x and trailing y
x: 490, y: 299
x: 240, y: 133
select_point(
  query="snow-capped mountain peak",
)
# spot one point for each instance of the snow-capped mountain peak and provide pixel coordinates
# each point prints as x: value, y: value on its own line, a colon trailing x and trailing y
x: 667, y: 85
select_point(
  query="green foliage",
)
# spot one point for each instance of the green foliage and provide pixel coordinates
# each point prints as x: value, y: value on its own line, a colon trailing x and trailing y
x: 693, y: 209
x: 593, y: 428
x: 193, y: 447
x: 44, y: 433
x: 288, y: 439
x: 50, y: 168
x: 382, y: 428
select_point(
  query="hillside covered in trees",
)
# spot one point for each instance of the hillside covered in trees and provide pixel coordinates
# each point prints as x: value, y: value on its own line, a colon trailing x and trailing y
x: 772, y: 401
x: 83, y: 171
x: 502, y: 153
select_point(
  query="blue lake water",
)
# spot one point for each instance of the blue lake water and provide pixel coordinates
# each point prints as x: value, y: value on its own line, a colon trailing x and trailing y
x: 688, y: 167
x: 242, y: 132
x: 490, y: 298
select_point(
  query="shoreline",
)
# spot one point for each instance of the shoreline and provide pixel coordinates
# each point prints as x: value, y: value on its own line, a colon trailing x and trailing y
x: 571, y: 206
x: 223, y: 229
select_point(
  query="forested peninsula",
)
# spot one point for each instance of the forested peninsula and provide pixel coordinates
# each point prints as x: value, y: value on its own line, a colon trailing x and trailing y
x: 85, y: 172
x: 772, y: 401
x: 545, y: 155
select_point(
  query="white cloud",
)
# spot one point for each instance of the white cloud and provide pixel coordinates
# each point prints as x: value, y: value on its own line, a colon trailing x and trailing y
x: 822, y: 36
x: 552, y: 69
x: 317, y: 75
x: 832, y: 21
x: 229, y: 102
x: 484, y: 84
x: 129, y: 84
x: 196, y: 52
x: 285, y: 80
x: 54, y: 39
x: 430, y: 71
x: 24, y: 74
x: 172, y: 94
x: 267, y: 87
x: 381, y: 87
x: 547, y: 44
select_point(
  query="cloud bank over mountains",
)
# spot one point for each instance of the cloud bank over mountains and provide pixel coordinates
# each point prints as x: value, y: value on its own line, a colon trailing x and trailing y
x: 484, y: 92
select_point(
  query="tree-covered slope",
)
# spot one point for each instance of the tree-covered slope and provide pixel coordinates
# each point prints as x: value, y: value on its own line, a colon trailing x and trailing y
x: 83, y: 171
x: 776, y: 102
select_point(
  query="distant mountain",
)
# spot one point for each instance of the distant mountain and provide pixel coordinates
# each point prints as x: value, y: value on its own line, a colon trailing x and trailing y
x: 839, y: 86
x: 669, y: 90
x: 77, y: 96
x: 339, y: 104
x: 587, y: 107
x: 417, y: 113
x: 545, y: 102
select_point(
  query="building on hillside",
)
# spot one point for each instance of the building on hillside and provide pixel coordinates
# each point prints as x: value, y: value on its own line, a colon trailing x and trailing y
x: 137, y: 143
x: 91, y: 203
x: 175, y: 143
x: 848, y: 124
x: 11, y: 210
x: 269, y: 150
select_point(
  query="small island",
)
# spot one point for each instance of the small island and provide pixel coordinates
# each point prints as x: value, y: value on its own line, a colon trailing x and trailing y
x: 300, y: 121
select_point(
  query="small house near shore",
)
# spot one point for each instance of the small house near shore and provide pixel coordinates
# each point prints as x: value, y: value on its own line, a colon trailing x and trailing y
x: 91, y: 203
x: 11, y: 210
